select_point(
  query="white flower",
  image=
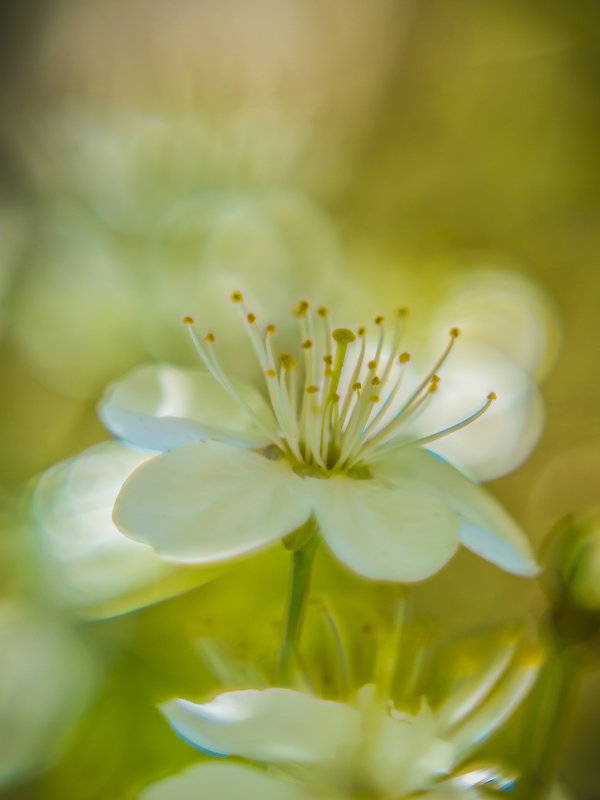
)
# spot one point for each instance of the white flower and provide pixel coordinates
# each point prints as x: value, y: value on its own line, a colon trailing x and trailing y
x: 85, y: 561
x: 338, y: 442
x: 321, y: 749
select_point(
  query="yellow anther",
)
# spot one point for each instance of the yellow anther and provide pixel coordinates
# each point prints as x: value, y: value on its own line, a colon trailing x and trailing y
x: 271, y: 373
x: 306, y: 344
x: 492, y: 396
x: 356, y: 386
x: 334, y: 398
x: 454, y: 332
x: 302, y: 308
x: 236, y: 297
x: 270, y: 329
x: 374, y: 398
x: 251, y: 318
x: 322, y: 311
x: 327, y: 372
x: 188, y: 320
x: 286, y: 361
x: 372, y: 364
x: 343, y: 336
x: 375, y: 381
x: 362, y: 330
x: 312, y: 389
x: 435, y: 378
x: 210, y: 337
x: 404, y: 357
x: 328, y: 360
x: 402, y: 311
x: 432, y: 388
x: 378, y: 320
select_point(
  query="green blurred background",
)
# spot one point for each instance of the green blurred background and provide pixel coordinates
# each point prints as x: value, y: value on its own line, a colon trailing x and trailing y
x: 155, y: 155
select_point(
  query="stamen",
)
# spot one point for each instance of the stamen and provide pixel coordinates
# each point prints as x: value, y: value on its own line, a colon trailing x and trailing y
x: 213, y: 366
x: 453, y: 333
x: 343, y: 337
x: 353, y: 384
x: 302, y: 308
x: 276, y: 392
x: 403, y: 359
x: 323, y: 314
x: 452, y: 428
x: 320, y: 425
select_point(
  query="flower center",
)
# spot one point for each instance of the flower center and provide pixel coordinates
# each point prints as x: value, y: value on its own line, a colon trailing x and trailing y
x: 337, y: 405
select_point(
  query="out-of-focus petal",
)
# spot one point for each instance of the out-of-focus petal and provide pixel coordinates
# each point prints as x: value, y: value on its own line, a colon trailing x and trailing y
x: 409, y: 755
x: 86, y: 561
x: 400, y: 534
x: 505, y: 435
x: 210, y: 501
x: 272, y: 725
x: 222, y: 782
x: 485, y: 527
x: 500, y: 704
x: 160, y: 407
x: 505, y: 309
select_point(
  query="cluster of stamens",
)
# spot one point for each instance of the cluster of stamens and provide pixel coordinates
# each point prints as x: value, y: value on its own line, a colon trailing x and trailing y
x: 336, y: 406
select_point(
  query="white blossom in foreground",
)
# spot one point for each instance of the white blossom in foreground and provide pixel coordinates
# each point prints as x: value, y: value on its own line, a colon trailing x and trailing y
x: 338, y: 442
x: 316, y: 748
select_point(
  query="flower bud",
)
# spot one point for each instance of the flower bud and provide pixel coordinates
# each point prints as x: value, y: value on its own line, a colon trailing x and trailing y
x: 571, y: 577
x: 571, y: 556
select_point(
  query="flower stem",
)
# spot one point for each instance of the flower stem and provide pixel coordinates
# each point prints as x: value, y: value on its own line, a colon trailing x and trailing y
x: 302, y: 560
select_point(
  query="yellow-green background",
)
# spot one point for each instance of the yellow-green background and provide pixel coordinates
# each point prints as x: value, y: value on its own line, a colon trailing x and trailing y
x: 406, y: 142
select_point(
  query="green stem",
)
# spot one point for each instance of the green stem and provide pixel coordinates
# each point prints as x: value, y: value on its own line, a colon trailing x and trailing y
x: 301, y: 568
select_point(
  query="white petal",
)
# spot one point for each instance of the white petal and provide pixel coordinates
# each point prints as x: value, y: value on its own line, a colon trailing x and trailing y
x: 408, y: 755
x: 210, y: 501
x: 505, y: 435
x: 272, y: 725
x: 502, y: 307
x: 486, y: 528
x: 402, y: 533
x: 160, y: 407
x: 222, y: 782
x: 90, y: 561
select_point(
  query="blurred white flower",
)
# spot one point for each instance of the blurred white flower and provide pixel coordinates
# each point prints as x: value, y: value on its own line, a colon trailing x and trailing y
x: 318, y: 748
x: 339, y: 440
x: 501, y: 306
x: 83, y: 559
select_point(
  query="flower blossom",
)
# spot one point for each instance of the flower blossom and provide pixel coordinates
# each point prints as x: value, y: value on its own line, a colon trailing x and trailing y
x: 318, y: 748
x: 336, y: 444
